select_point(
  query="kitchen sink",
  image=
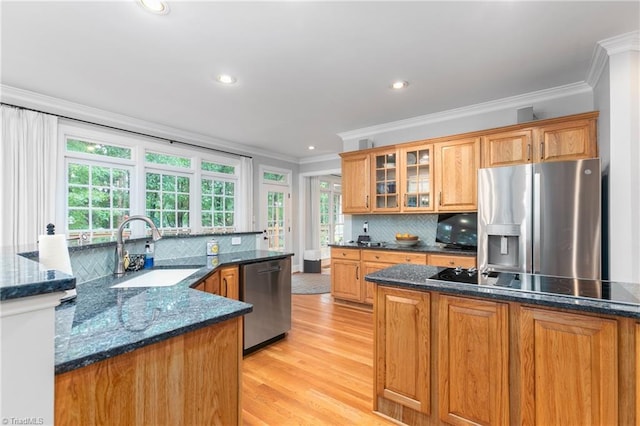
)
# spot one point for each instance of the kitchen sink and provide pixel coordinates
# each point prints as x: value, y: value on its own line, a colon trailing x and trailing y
x: 156, y: 278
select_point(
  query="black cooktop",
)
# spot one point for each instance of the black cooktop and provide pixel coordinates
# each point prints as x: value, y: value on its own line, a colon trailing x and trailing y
x: 575, y: 287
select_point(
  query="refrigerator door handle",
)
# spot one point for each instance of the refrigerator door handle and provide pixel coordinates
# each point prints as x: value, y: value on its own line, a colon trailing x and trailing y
x: 536, y: 222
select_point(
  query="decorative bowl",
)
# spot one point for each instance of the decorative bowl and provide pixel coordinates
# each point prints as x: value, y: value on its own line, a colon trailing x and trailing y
x: 407, y: 242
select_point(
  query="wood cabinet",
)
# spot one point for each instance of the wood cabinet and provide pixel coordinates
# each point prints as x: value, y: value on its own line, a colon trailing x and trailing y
x: 193, y: 378
x: 637, y: 367
x: 416, y: 180
x: 457, y: 164
x: 385, y: 187
x: 345, y: 274
x: 473, y: 361
x: 508, y: 148
x: 563, y: 139
x: 229, y: 282
x: 570, y: 140
x: 356, y: 182
x: 568, y: 368
x: 451, y: 261
x: 402, y: 349
x: 212, y: 283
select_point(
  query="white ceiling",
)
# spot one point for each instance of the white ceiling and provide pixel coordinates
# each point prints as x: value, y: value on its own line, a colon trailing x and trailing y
x: 306, y: 70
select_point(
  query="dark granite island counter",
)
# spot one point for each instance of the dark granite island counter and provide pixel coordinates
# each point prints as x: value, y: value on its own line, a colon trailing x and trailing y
x: 535, y: 350
x: 152, y: 355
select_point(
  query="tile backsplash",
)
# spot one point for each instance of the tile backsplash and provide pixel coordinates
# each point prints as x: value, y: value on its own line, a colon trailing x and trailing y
x: 92, y: 262
x: 383, y: 227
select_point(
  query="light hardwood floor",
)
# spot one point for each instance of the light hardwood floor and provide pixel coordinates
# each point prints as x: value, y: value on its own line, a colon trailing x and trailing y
x: 321, y: 374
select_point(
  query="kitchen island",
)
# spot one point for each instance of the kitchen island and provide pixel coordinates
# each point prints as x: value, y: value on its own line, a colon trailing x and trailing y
x: 152, y: 355
x: 505, y: 351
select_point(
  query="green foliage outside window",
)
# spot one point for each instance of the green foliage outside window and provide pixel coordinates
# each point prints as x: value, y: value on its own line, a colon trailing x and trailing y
x: 85, y: 147
x: 220, y: 168
x: 169, y: 160
x: 167, y: 200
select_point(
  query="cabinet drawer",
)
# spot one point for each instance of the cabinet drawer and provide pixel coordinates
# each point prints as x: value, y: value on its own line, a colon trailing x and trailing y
x: 394, y: 257
x: 340, y: 253
x: 448, y: 261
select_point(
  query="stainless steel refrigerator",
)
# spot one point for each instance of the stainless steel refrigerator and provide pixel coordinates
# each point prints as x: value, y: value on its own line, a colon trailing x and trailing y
x: 541, y: 218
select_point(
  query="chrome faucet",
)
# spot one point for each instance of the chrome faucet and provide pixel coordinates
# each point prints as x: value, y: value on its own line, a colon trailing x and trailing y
x: 155, y: 234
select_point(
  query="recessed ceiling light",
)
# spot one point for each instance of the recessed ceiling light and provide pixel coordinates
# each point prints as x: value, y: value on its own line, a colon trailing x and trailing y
x: 226, y: 79
x: 311, y: 147
x: 155, y: 6
x: 400, y: 84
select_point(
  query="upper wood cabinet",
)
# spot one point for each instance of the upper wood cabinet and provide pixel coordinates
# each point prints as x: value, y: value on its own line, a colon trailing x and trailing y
x: 507, y: 149
x: 566, y: 354
x: 571, y: 140
x: 416, y: 187
x: 385, y: 172
x: 457, y: 164
x: 565, y: 139
x: 355, y: 182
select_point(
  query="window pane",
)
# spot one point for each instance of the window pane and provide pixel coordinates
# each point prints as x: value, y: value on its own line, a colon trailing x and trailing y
x: 170, y: 160
x: 168, y: 183
x: 100, y: 176
x: 228, y: 204
x: 168, y: 207
x: 78, y: 174
x: 274, y: 177
x: 78, y: 219
x: 100, y: 197
x: 207, y: 219
x: 101, y: 219
x: 168, y: 201
x: 153, y: 181
x: 153, y: 200
x: 120, y: 179
x: 183, y: 184
x: 78, y: 197
x: 218, y: 188
x: 85, y: 147
x: 220, y: 168
x: 183, y: 202
x: 229, y: 188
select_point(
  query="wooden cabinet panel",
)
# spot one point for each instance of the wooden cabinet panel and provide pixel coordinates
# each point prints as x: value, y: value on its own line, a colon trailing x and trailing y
x: 457, y: 168
x: 402, y: 348
x: 356, y: 182
x: 473, y: 361
x: 451, y: 261
x: 416, y: 189
x: 570, y: 140
x: 507, y: 149
x: 638, y: 373
x: 229, y: 283
x: 394, y: 257
x: 190, y: 379
x: 345, y: 279
x: 212, y: 283
x: 369, y: 288
x: 347, y: 254
x: 568, y: 368
x: 385, y: 181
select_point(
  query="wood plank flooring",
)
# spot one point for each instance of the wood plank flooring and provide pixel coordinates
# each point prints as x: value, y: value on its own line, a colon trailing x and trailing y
x: 321, y: 374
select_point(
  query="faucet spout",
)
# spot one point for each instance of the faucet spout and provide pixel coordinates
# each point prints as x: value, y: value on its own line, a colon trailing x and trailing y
x: 155, y: 234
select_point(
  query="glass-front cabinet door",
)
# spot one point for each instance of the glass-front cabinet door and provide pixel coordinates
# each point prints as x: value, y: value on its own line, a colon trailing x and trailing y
x: 417, y: 185
x: 385, y: 175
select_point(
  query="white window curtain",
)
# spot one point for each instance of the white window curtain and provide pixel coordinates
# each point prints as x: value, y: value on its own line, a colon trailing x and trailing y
x: 29, y: 149
x: 314, y: 208
x: 245, y: 196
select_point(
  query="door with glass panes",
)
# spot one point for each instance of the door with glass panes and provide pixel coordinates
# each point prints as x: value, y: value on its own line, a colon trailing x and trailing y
x: 275, y: 210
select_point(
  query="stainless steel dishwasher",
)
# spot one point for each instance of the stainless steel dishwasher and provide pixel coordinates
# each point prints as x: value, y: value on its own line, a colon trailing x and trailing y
x: 267, y: 286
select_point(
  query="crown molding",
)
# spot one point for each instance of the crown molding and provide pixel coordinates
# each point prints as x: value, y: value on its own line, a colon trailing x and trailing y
x: 318, y: 158
x: 605, y: 48
x: 57, y: 106
x: 512, y: 102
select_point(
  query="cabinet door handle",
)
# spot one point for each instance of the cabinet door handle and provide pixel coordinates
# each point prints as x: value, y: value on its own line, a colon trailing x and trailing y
x: 528, y: 152
x: 344, y: 254
x: 408, y: 260
x: 440, y: 198
x: 451, y: 262
x: 224, y: 287
x: 405, y: 200
x: 542, y: 150
x: 357, y: 272
x: 377, y: 257
x: 366, y: 201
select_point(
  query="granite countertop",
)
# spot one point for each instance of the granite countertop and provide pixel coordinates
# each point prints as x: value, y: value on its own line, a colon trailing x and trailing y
x: 421, y: 248
x: 23, y: 278
x: 103, y: 322
x: 418, y: 277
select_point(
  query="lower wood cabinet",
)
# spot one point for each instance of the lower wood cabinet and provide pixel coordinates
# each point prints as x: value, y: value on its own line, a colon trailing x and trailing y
x: 444, y: 359
x: 191, y: 379
x: 346, y: 280
x: 223, y: 282
x: 568, y: 368
x: 451, y: 261
x: 402, y: 349
x: 473, y: 361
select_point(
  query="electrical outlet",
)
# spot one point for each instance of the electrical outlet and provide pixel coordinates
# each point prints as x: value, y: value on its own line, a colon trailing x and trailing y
x: 236, y: 241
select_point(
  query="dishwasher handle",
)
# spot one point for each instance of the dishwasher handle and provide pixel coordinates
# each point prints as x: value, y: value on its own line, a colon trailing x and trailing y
x: 268, y: 271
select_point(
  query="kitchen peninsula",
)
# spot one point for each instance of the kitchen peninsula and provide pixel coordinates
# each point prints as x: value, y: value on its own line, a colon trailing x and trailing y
x: 519, y: 349
x: 153, y: 355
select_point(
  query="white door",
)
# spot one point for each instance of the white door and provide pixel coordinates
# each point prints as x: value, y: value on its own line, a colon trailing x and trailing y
x: 275, y: 210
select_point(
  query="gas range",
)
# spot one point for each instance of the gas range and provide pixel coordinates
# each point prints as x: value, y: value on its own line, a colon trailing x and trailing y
x: 458, y: 275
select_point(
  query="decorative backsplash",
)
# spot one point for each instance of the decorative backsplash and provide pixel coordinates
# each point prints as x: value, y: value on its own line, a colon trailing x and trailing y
x: 92, y: 262
x: 385, y: 227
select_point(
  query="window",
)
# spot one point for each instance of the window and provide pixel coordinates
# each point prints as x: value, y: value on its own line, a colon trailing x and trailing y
x: 109, y: 176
